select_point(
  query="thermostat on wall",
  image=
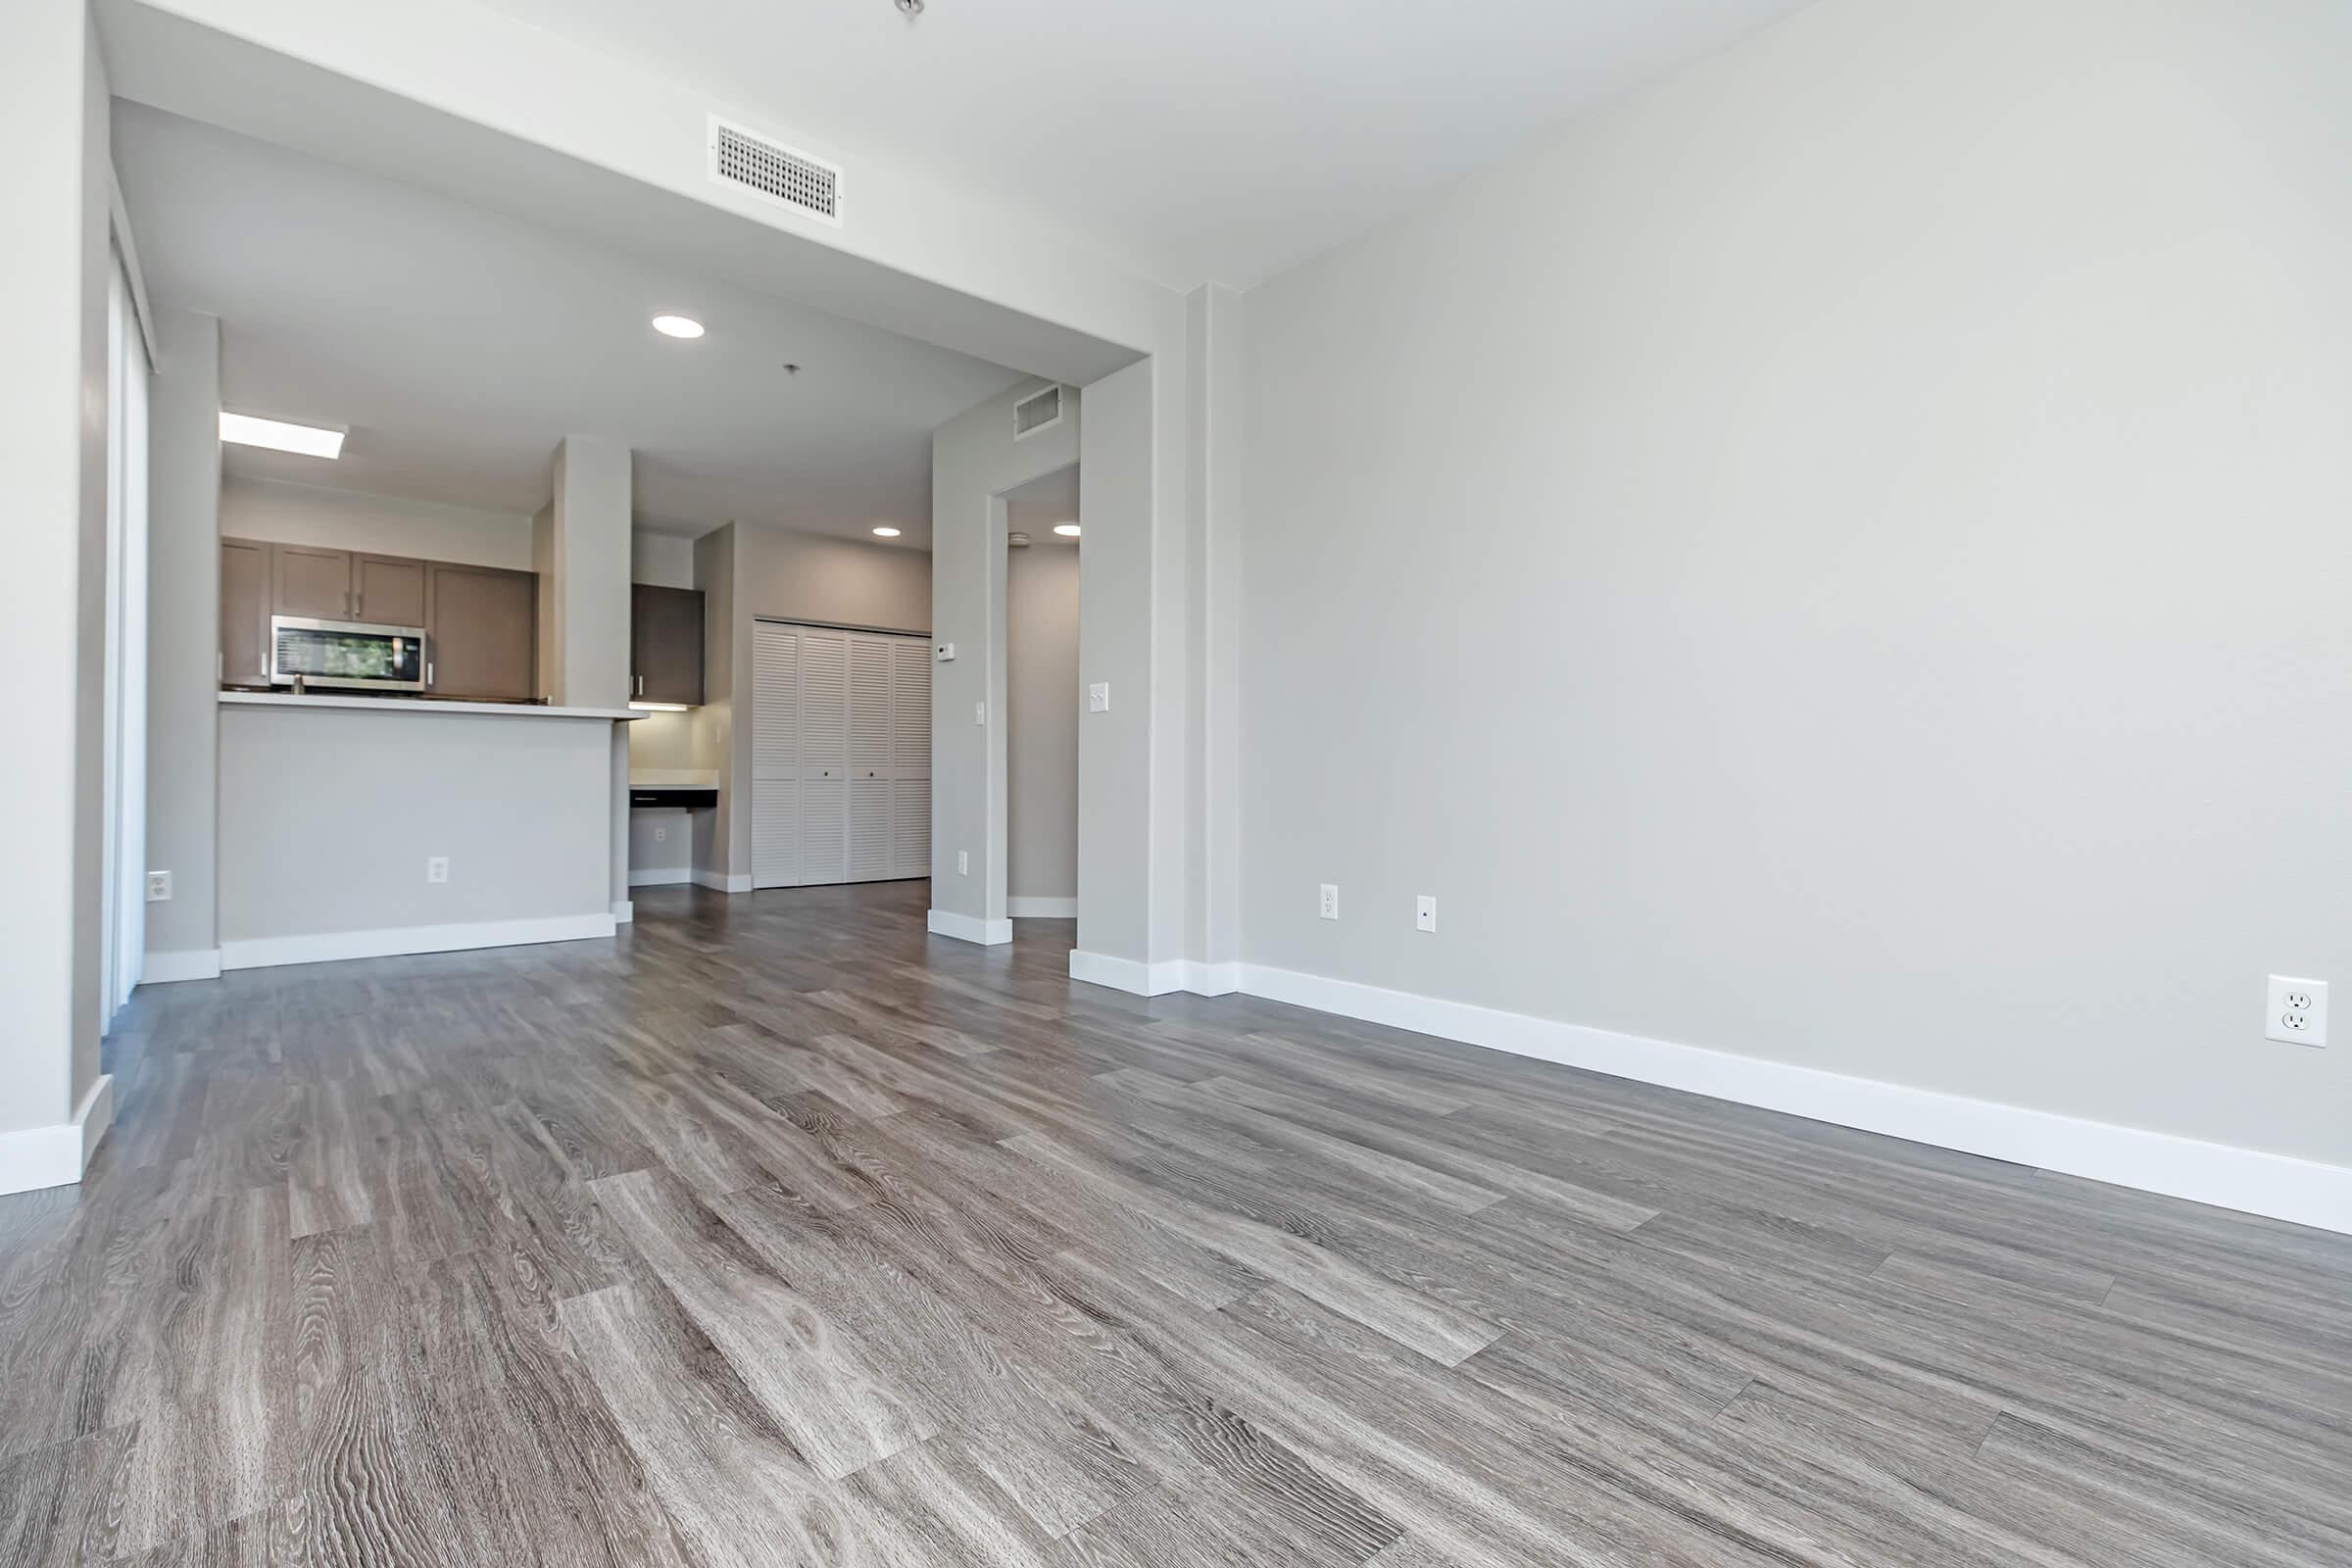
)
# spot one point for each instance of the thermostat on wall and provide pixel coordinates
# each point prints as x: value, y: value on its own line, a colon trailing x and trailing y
x: 947, y: 653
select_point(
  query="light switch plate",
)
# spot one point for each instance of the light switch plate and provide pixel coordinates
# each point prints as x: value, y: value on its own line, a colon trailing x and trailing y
x: 979, y: 712
x: 964, y: 862
x: 1098, y: 697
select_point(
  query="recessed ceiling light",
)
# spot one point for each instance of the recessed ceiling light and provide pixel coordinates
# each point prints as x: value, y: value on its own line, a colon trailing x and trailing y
x: 886, y: 532
x: 308, y: 440
x: 677, y: 326
x: 1068, y: 530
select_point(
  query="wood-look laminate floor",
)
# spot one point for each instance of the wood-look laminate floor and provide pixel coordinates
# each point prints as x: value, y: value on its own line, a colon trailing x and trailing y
x: 776, y: 1232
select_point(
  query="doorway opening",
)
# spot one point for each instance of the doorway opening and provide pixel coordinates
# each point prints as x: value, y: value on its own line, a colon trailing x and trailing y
x: 1043, y: 538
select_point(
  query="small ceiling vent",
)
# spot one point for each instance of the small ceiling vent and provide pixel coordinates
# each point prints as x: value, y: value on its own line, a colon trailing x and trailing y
x: 770, y: 169
x: 1040, y: 411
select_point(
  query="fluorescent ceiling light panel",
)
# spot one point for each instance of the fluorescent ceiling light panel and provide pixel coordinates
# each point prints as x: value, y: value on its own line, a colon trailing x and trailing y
x: 308, y: 440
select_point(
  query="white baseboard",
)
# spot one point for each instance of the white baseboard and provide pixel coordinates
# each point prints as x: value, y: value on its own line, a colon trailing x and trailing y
x: 2278, y: 1185
x: 1154, y: 979
x: 1038, y: 906
x: 624, y: 911
x: 660, y: 877
x: 722, y: 882
x: 969, y: 928
x: 263, y: 953
x: 192, y: 963
x: 57, y: 1155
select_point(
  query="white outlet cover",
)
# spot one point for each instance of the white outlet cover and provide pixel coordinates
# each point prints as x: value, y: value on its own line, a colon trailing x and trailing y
x: 159, y: 887
x: 1425, y: 912
x: 2295, y: 1010
x: 1098, y: 697
x: 436, y: 868
x: 979, y: 712
x: 1328, y: 905
x: 964, y: 862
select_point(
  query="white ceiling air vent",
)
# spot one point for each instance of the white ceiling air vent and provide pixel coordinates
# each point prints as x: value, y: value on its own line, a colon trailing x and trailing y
x: 1040, y: 411
x: 785, y: 175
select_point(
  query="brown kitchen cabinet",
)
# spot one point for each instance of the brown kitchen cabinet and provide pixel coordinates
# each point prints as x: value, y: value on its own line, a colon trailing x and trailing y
x: 483, y: 631
x: 666, y: 645
x: 306, y: 580
x: 244, y: 613
x: 388, y: 590
x: 481, y: 624
x: 344, y: 585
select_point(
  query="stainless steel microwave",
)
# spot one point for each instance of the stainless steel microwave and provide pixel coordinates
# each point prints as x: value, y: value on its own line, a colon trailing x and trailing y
x: 345, y: 655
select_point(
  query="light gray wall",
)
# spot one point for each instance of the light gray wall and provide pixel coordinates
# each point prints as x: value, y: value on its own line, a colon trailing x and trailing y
x: 1841, y: 559
x: 53, y: 474
x: 718, y: 848
x: 660, y: 842
x: 183, y: 628
x: 805, y: 576
x: 390, y: 525
x: 664, y: 560
x: 328, y: 817
x: 1042, y: 705
x: 1115, y: 779
x: 590, y: 560
x: 975, y: 460
x: 662, y: 739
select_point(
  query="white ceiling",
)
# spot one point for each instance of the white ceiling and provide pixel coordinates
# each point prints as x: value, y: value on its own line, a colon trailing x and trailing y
x: 459, y: 345
x: 1202, y: 139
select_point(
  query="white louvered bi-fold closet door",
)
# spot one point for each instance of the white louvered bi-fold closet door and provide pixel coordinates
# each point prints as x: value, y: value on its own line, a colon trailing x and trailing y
x: 775, y: 755
x: 910, y: 758
x: 870, y: 770
x: 824, y: 843
x: 841, y: 756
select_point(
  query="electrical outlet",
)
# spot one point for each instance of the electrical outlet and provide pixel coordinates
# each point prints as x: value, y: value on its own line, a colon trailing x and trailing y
x: 661, y: 834
x: 964, y: 862
x: 1425, y: 913
x: 159, y: 887
x: 1098, y: 697
x: 1329, y: 909
x: 2296, y: 1011
x: 436, y: 868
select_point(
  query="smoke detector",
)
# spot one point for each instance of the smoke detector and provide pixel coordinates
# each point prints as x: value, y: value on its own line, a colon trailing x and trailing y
x: 1018, y: 541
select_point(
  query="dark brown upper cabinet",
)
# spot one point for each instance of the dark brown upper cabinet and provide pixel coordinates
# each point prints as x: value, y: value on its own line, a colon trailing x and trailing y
x: 388, y: 590
x: 481, y: 624
x: 244, y: 613
x: 305, y: 581
x: 666, y: 645
x: 483, y: 631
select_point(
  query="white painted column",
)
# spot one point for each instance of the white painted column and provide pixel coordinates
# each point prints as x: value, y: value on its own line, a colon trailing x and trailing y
x: 54, y: 187
x: 183, y: 642
x: 581, y: 547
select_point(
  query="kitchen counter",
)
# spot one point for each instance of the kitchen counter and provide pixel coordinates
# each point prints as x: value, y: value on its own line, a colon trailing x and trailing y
x: 427, y: 704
